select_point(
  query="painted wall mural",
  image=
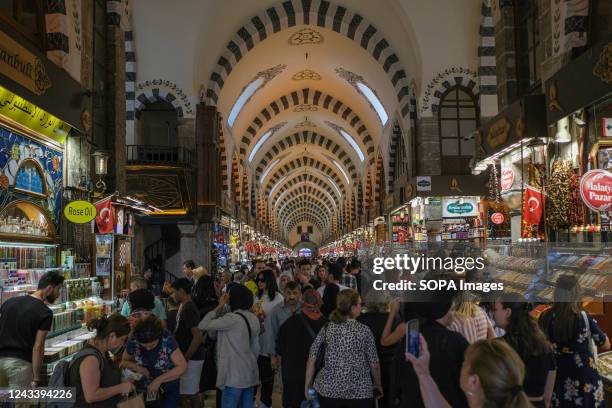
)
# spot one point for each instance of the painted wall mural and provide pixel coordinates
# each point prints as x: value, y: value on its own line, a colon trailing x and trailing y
x: 30, y: 171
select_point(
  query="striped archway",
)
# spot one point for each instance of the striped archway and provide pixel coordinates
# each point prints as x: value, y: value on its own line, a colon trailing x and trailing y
x: 301, y: 163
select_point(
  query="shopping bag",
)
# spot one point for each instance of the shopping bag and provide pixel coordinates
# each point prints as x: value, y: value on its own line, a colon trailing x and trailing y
x: 135, y: 401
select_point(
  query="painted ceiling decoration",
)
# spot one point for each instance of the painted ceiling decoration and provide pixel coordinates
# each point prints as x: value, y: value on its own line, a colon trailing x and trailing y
x: 304, y: 107
x: 315, y: 13
x: 305, y: 124
x: 306, y: 75
x: 317, y: 98
x: 306, y: 36
x: 259, y: 81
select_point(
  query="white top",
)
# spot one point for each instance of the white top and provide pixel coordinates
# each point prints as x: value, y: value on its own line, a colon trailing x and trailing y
x: 266, y: 304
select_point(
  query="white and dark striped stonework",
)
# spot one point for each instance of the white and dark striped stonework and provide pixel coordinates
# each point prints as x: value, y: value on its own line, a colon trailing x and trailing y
x: 154, y: 95
x: 310, y: 97
x: 442, y: 82
x: 311, y: 180
x: 301, y: 163
x: 486, y: 52
x: 319, y: 13
x: 305, y: 202
x: 308, y: 193
x: 307, y: 138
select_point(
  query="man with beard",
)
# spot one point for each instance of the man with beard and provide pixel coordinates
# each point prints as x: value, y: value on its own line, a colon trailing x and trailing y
x: 24, y: 324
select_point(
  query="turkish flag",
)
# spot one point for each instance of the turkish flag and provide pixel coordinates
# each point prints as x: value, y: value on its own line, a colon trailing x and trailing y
x: 532, y: 206
x: 105, y: 218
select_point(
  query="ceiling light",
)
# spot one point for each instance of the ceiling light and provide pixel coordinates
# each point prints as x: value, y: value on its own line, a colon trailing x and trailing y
x: 244, y: 97
x: 563, y: 135
x: 258, y: 145
x: 263, y: 176
x: 374, y: 101
x: 348, y: 182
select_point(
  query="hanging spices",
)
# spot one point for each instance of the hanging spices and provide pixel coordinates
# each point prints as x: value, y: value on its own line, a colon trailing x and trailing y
x: 494, y: 186
x: 558, y: 198
x: 576, y: 205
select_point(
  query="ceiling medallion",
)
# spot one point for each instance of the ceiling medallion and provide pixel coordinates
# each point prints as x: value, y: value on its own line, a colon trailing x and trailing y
x: 351, y: 77
x: 305, y: 108
x: 270, y: 73
x: 306, y: 75
x: 306, y: 36
x: 305, y: 124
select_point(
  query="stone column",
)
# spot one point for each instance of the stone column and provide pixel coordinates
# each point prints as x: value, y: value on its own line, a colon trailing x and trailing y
x: 428, y: 147
x: 186, y: 133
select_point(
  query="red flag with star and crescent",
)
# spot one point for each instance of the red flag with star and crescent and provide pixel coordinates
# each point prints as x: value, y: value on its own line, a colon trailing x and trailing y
x: 105, y: 218
x: 532, y: 206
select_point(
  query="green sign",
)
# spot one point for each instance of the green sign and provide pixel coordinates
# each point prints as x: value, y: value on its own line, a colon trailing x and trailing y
x: 458, y: 208
x: 434, y: 201
x: 80, y: 212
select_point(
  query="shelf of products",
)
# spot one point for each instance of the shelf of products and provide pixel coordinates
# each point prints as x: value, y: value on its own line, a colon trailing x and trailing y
x: 461, y: 229
x: 604, y: 366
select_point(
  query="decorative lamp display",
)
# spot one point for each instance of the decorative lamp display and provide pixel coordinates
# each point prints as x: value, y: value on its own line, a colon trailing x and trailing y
x: 100, y: 163
x: 563, y: 135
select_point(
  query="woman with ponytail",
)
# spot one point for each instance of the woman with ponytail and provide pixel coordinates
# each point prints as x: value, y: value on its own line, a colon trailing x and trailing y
x: 92, y: 372
x: 350, y: 358
x: 511, y: 313
x: 491, y: 377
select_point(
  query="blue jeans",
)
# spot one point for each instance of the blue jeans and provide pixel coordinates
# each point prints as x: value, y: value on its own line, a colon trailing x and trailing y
x: 237, y: 397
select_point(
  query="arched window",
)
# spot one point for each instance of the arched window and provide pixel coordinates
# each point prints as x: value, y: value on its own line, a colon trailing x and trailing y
x: 457, y: 119
x: 158, y: 123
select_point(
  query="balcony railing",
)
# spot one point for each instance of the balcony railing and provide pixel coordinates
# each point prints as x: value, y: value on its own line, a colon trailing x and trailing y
x: 147, y: 154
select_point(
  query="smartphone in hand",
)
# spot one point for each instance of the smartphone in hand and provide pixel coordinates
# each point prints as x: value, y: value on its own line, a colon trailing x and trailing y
x: 412, y: 337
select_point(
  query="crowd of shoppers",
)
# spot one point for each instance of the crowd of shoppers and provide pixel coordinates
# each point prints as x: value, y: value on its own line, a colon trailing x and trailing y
x: 234, y: 333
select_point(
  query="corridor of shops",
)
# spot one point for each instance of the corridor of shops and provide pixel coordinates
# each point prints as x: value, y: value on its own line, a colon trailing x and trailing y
x: 305, y: 203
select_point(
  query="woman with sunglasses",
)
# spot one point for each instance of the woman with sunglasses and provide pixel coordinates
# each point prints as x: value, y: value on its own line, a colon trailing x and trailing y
x: 266, y: 299
x: 154, y: 353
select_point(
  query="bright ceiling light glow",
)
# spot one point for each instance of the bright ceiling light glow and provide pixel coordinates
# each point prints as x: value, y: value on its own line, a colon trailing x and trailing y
x: 374, y: 101
x: 270, y: 167
x: 342, y: 171
x: 333, y: 183
x: 349, y: 139
x: 243, y: 99
x: 258, y: 145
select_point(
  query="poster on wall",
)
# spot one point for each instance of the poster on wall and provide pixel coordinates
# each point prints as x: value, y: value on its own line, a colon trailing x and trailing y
x: 104, y: 254
x: 459, y: 207
x: 30, y: 171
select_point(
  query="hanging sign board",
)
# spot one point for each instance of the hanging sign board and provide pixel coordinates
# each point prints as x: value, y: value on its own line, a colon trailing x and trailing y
x: 80, y: 212
x: 507, y: 178
x: 497, y: 218
x: 423, y: 183
x: 596, y: 190
x: 22, y: 66
x: 606, y: 127
x: 457, y: 208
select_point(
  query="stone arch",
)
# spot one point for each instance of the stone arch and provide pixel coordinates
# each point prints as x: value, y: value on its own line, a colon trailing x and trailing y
x: 442, y: 82
x: 235, y: 179
x: 303, y: 138
x: 319, y: 13
x: 314, y: 206
x: 303, y: 179
x: 379, y: 196
x: 162, y: 90
x: 309, y: 97
x: 302, y: 163
x: 301, y: 194
x: 298, y: 218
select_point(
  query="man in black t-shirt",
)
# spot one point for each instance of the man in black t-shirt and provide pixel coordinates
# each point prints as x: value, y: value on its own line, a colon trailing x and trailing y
x: 24, y: 324
x: 189, y: 338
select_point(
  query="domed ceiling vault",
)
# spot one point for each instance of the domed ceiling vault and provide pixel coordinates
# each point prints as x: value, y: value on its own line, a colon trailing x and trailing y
x: 307, y: 89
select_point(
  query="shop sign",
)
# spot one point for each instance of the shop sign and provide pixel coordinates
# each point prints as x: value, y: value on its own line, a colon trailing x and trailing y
x: 606, y: 127
x: 23, y: 67
x: 497, y: 218
x: 460, y: 208
x: 80, y: 212
x: 423, y: 183
x: 596, y: 190
x: 507, y: 178
x: 498, y: 132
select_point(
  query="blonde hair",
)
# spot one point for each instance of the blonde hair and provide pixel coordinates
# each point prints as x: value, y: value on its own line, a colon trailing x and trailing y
x: 138, y: 282
x: 345, y: 300
x: 465, y: 305
x: 199, y: 272
x: 501, y: 373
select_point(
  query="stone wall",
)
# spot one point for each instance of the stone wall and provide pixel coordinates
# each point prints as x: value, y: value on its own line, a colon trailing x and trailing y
x: 428, y: 147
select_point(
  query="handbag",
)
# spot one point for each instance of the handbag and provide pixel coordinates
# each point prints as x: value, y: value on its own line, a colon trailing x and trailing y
x: 135, y: 401
x: 592, y: 345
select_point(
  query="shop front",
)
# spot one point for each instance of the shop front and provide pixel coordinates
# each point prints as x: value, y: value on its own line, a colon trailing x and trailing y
x: 511, y: 148
x: 579, y: 120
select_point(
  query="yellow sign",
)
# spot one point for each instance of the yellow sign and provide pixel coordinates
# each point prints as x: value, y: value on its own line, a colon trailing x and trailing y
x: 31, y: 116
x: 498, y: 132
x: 80, y: 212
x: 23, y: 67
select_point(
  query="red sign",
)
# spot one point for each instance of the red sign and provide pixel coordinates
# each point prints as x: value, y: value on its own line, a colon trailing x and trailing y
x: 596, y: 190
x: 497, y: 218
x: 507, y: 179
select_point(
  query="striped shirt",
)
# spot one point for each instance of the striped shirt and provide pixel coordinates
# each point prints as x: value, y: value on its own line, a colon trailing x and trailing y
x: 472, y: 328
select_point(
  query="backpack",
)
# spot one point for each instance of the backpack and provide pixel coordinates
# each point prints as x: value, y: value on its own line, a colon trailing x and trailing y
x: 61, y: 373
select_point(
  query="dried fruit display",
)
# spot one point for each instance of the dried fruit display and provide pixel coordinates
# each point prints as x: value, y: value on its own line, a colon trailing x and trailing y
x: 558, y: 195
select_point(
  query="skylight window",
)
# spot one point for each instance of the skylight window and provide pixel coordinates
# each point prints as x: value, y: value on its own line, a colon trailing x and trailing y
x: 276, y: 186
x: 259, y: 143
x: 349, y: 139
x: 333, y: 183
x: 243, y: 99
x: 343, y: 172
x: 374, y: 101
x: 270, y: 167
